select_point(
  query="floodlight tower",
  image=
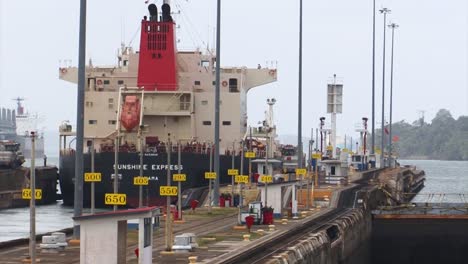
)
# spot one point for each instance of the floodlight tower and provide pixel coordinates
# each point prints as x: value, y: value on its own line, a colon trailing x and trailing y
x: 393, y: 26
x: 383, y: 11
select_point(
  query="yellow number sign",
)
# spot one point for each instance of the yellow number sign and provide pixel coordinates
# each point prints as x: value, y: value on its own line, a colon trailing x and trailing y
x: 115, y: 199
x: 301, y: 172
x: 26, y: 194
x: 210, y: 175
x: 317, y: 156
x: 233, y: 172
x: 141, y: 180
x: 168, y: 190
x: 241, y: 179
x: 266, y: 178
x: 92, y: 177
x: 179, y: 177
x: 250, y: 154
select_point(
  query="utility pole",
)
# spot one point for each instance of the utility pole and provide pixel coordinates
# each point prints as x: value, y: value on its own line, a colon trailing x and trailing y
x: 384, y: 11
x: 210, y: 192
x: 241, y: 202
x: 299, y: 104
x: 32, y: 223
x: 168, y: 199
x: 373, y: 80
x: 140, y: 188
x: 179, y: 183
x: 116, y: 165
x: 217, y: 95
x: 78, y: 195
x: 233, y: 167
x: 93, y: 198
x: 393, y: 26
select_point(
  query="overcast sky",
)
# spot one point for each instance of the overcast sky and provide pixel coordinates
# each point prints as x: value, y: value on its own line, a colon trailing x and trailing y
x: 430, y: 53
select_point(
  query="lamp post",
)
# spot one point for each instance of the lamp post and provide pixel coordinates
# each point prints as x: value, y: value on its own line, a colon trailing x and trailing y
x: 383, y: 11
x: 299, y: 104
x: 217, y: 96
x: 78, y: 195
x: 373, y: 80
x: 393, y: 26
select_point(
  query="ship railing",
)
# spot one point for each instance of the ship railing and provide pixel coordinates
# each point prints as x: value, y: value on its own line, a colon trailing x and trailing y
x: 67, y: 151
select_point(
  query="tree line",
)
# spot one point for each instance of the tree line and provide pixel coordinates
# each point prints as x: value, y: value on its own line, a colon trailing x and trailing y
x: 444, y: 138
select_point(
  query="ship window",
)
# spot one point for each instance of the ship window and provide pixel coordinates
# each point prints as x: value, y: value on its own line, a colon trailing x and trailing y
x: 89, y: 104
x: 332, y: 170
x: 205, y: 63
x: 233, y: 85
x: 197, y: 82
x: 185, y: 102
x: 226, y: 123
x: 112, y: 122
x: 92, y: 122
x: 106, y: 82
x: 111, y: 103
x: 214, y: 83
x: 120, y: 82
x: 204, y: 102
x: 125, y: 62
x: 207, y: 123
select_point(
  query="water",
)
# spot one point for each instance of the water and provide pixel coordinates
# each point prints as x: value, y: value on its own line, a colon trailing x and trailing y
x: 448, y: 177
x: 14, y: 223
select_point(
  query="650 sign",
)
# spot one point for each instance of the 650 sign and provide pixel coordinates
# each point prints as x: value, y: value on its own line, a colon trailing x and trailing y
x: 115, y: 199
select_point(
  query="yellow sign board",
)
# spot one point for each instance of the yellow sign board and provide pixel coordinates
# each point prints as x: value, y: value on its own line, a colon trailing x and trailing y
x: 250, y: 154
x: 329, y: 148
x: 210, y: 175
x: 317, y: 156
x: 141, y: 180
x: 92, y: 177
x: 241, y: 179
x: 233, y: 172
x: 115, y: 199
x: 168, y: 190
x: 179, y: 177
x: 301, y: 172
x: 345, y: 150
x: 26, y: 194
x: 266, y: 178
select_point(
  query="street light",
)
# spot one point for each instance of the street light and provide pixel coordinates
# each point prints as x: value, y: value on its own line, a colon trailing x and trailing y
x: 78, y: 195
x: 299, y: 105
x: 373, y: 81
x: 383, y: 11
x: 393, y: 26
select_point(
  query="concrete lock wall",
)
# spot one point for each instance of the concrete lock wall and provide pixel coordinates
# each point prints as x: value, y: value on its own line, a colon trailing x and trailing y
x: 334, y: 243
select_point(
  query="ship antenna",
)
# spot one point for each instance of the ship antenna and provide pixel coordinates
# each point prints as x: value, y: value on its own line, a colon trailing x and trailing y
x: 19, y: 107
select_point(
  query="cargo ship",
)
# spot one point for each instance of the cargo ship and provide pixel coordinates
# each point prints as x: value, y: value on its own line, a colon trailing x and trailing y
x: 16, y: 125
x: 153, y: 96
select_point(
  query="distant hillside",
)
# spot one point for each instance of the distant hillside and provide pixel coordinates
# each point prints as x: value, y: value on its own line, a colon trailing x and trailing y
x: 443, y: 139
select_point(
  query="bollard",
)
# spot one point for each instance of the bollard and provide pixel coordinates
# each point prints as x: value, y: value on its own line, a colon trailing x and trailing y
x: 303, y: 214
x: 284, y: 221
x: 271, y: 228
x: 260, y: 232
x: 246, y: 237
x: 192, y: 259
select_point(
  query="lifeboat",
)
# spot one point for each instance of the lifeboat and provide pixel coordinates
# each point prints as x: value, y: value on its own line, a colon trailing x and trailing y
x: 130, y: 116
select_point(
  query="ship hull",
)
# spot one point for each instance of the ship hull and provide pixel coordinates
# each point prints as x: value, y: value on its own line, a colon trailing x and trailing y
x: 12, y: 181
x: 194, y: 165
